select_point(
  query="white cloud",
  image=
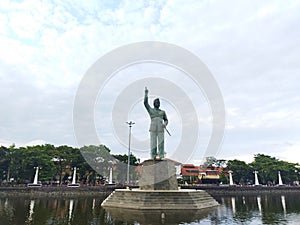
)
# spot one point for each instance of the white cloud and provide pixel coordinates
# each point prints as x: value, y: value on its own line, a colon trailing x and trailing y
x: 3, y: 24
x: 290, y: 153
x: 252, y: 48
x: 24, y: 25
x: 248, y: 158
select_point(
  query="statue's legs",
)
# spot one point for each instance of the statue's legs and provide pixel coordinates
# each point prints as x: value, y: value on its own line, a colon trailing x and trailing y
x: 161, y: 145
x: 153, y: 144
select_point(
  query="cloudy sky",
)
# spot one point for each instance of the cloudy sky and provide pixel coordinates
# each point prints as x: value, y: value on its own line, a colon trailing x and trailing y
x: 252, y: 48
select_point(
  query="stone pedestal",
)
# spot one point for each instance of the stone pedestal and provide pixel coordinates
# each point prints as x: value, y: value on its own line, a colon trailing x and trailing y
x: 159, y: 191
x: 158, y: 175
x: 159, y: 199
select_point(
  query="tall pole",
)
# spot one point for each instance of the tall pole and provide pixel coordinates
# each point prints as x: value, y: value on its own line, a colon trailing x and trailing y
x: 129, y: 141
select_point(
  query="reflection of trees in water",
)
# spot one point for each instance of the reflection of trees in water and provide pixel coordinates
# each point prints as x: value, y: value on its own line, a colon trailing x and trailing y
x: 274, y: 208
x: 6, y: 210
x: 293, y: 203
x: 50, y: 211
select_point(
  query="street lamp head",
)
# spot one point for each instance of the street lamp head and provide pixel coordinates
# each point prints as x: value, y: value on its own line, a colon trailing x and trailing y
x: 130, y: 123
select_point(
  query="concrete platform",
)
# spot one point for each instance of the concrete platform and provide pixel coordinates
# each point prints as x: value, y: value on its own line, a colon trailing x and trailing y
x: 159, y: 199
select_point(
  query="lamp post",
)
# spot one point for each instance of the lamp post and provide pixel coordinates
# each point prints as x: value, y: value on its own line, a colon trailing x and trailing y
x: 130, y: 124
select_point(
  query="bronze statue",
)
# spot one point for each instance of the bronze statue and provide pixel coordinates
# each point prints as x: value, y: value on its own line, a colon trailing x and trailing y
x: 158, y: 124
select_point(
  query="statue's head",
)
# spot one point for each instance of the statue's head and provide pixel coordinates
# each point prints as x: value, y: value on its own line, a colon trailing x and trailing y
x: 156, y: 103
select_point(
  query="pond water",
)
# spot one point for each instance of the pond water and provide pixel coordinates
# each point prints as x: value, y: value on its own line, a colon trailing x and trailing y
x: 248, y: 209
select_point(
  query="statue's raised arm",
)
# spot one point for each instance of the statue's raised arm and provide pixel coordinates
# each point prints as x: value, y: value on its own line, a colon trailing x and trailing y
x: 146, y: 104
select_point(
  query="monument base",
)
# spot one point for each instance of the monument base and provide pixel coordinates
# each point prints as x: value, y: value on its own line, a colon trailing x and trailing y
x: 159, y: 190
x: 151, y: 199
x: 158, y: 175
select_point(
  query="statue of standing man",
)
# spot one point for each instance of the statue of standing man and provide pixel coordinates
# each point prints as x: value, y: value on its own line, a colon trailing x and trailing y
x: 159, y: 122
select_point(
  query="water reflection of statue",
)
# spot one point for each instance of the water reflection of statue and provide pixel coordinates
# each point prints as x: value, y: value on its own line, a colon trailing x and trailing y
x: 158, y: 122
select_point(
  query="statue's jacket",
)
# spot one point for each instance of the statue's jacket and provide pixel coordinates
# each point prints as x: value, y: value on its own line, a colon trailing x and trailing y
x: 157, y: 117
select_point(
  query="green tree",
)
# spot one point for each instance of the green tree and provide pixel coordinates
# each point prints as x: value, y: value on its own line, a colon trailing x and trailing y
x: 242, y: 172
x: 224, y: 177
x: 23, y: 160
x: 64, y: 159
x: 268, y: 168
x: 121, y: 167
x: 99, y: 158
x: 124, y: 158
x: 15, y: 157
x: 4, y: 163
x: 213, y: 162
x: 36, y: 156
x: 57, y: 162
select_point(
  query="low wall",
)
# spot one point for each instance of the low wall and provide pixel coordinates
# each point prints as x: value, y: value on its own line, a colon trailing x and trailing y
x: 104, y: 191
x: 246, y: 190
x: 84, y: 191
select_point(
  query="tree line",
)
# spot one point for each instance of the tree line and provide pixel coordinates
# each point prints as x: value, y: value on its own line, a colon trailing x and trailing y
x: 267, y: 167
x: 56, y: 164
